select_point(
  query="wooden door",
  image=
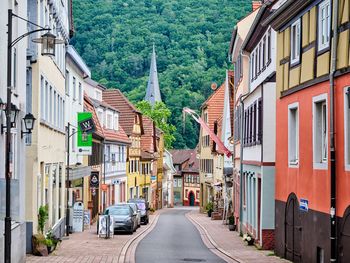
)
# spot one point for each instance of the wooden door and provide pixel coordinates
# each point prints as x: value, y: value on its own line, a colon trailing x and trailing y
x: 293, y: 230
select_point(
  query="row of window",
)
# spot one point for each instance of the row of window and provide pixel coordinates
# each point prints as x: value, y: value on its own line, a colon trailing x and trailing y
x: 205, y: 141
x: 320, y: 132
x: 177, y: 182
x: 146, y: 168
x: 134, y: 166
x: 323, y: 32
x: 49, y: 18
x: 260, y: 57
x: 192, y: 178
x: 253, y: 119
x: 206, y: 165
x: 117, y: 156
x: 52, y: 105
x: 108, y: 119
x: 77, y: 93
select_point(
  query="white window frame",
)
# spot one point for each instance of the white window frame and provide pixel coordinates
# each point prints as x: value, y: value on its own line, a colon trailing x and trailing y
x: 295, y: 43
x: 109, y: 123
x: 346, y: 130
x: 116, y: 121
x: 317, y: 163
x: 293, y: 161
x: 324, y: 25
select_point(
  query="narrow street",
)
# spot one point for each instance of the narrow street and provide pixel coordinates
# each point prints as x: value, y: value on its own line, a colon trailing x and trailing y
x: 174, y: 239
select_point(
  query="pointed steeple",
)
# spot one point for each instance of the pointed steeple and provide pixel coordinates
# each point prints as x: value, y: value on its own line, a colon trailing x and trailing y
x: 153, y: 92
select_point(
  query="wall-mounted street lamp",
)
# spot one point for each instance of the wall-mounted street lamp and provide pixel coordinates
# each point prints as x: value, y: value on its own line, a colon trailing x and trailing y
x: 28, y: 124
x: 13, y: 117
x: 48, y: 42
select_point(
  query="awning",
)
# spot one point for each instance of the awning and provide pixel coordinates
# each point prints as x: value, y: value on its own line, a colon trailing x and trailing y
x: 78, y: 171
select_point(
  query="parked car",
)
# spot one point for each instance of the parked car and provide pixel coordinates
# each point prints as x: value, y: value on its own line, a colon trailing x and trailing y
x: 123, y: 216
x: 138, y: 213
x: 143, y: 207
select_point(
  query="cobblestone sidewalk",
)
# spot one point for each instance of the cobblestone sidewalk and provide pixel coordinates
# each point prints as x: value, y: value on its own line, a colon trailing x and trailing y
x: 231, y: 242
x: 86, y: 247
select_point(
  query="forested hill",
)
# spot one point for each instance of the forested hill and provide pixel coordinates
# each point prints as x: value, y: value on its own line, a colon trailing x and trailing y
x: 115, y: 38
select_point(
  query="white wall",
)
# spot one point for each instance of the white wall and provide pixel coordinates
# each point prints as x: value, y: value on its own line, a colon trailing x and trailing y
x: 269, y: 123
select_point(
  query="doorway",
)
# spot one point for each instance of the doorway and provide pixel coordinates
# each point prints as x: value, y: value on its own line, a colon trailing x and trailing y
x: 293, y: 230
x: 191, y: 198
x: 344, y: 242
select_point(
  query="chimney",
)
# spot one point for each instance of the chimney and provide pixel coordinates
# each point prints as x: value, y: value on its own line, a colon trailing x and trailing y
x: 256, y: 5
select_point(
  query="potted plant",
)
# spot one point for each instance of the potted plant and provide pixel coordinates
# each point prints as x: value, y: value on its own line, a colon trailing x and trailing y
x: 209, y: 207
x: 51, y: 241
x: 38, y: 240
x: 248, y: 239
x: 231, y: 223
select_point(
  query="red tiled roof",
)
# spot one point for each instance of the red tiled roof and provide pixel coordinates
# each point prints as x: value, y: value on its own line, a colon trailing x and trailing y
x: 192, y: 165
x: 88, y: 106
x: 116, y: 136
x: 147, y: 138
x: 181, y: 156
x: 127, y: 110
x: 215, y: 105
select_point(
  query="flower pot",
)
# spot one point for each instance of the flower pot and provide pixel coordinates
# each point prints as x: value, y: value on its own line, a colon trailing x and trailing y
x: 250, y: 242
x: 209, y: 212
x: 232, y: 227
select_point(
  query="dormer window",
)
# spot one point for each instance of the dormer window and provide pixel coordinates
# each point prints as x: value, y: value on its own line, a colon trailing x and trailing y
x: 116, y: 121
x: 295, y: 42
x: 98, y: 95
x: 324, y: 25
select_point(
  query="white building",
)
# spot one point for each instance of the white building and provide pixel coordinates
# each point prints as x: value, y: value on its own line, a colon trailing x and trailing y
x: 76, y: 72
x: 259, y: 133
x: 115, y: 147
x: 18, y: 154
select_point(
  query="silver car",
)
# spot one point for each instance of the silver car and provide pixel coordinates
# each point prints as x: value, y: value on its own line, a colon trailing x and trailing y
x: 138, y: 213
x: 124, y: 217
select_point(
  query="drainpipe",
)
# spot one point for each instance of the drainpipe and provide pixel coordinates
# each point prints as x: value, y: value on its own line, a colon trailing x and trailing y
x: 241, y: 163
x: 333, y: 221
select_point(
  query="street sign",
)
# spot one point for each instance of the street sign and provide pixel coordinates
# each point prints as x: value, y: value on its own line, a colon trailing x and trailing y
x: 94, y: 180
x: 85, y: 129
x: 78, y: 217
x: 105, y: 226
x: 87, y: 218
x: 304, y: 205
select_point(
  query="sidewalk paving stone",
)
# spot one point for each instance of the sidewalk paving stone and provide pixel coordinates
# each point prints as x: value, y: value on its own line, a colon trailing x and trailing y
x: 86, y: 247
x: 231, y: 242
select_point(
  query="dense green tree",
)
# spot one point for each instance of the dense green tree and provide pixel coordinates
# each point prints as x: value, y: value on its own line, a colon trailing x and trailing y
x: 115, y: 38
x: 160, y: 114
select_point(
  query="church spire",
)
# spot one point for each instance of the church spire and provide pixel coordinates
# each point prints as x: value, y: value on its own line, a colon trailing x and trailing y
x: 153, y: 92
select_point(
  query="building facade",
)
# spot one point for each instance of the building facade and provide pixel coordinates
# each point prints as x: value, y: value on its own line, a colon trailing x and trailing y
x: 18, y: 152
x: 130, y: 119
x: 312, y: 198
x: 46, y: 156
x: 241, y: 83
x: 258, y: 141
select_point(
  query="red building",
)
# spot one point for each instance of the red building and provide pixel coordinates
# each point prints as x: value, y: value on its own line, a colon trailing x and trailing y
x: 186, y: 179
x: 312, y: 196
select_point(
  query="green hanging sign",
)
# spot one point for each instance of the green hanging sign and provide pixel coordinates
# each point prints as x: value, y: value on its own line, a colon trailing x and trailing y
x: 86, y: 127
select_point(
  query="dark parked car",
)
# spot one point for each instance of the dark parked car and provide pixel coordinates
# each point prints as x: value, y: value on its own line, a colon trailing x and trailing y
x: 123, y: 216
x: 143, y: 207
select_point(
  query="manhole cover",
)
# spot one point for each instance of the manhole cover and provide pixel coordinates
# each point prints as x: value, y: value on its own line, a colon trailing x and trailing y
x: 193, y: 260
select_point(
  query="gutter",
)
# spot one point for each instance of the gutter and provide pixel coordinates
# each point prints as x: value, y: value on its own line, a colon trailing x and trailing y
x: 333, y: 221
x: 241, y: 163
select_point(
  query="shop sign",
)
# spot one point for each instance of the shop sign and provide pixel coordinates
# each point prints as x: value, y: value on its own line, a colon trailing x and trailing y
x: 94, y: 180
x: 85, y: 129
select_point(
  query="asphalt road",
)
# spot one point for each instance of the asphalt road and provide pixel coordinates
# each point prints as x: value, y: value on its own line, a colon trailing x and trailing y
x: 174, y: 239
